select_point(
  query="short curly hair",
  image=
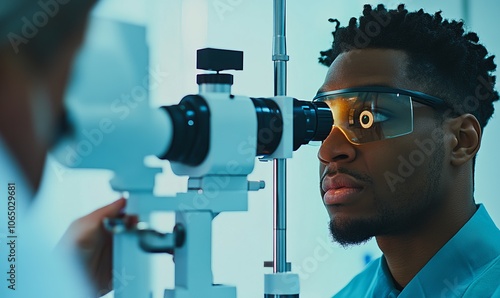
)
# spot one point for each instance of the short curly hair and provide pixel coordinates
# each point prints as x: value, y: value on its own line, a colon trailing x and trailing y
x: 443, y: 59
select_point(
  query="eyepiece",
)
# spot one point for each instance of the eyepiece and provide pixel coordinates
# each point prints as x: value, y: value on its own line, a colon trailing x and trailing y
x: 312, y: 121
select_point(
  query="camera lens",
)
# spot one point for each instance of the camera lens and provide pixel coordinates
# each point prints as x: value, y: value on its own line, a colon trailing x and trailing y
x: 191, y: 131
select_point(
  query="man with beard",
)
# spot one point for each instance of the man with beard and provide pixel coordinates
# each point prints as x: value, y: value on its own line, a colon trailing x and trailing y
x: 410, y: 94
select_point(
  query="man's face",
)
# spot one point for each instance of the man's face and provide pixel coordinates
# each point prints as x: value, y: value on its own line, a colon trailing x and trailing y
x: 382, y: 187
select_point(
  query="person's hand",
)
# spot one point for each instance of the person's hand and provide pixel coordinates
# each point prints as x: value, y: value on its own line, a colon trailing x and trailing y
x: 94, y: 244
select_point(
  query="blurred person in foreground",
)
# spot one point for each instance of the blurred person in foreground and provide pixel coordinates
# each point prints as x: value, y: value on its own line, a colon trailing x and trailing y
x: 39, y: 40
x: 411, y: 94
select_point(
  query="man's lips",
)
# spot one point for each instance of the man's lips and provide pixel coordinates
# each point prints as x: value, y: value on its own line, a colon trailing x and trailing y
x: 340, y: 189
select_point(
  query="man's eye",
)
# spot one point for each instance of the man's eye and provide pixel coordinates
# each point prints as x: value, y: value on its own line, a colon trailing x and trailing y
x: 367, y: 118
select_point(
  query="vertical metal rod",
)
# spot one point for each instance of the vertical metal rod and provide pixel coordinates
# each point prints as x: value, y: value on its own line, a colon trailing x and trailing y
x: 280, y: 58
x: 466, y: 12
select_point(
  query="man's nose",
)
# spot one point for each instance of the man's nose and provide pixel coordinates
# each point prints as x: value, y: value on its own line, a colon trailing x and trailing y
x: 336, y: 148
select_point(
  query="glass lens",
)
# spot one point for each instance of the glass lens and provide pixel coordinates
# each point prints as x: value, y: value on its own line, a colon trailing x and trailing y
x: 370, y: 116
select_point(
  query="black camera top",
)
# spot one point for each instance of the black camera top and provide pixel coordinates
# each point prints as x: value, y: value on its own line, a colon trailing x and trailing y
x: 218, y: 59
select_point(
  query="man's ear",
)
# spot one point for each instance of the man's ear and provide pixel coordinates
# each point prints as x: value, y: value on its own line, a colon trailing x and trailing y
x: 467, y: 138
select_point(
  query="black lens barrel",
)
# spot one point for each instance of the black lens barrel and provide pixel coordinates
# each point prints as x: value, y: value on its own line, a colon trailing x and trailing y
x: 191, y: 131
x: 269, y: 125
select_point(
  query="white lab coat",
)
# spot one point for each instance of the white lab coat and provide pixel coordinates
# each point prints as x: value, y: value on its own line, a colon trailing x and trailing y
x: 39, y: 272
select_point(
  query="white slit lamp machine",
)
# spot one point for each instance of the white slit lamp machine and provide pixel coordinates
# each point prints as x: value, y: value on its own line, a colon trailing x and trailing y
x: 214, y: 138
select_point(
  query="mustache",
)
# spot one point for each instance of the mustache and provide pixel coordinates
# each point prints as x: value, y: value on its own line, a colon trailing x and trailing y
x: 358, y: 176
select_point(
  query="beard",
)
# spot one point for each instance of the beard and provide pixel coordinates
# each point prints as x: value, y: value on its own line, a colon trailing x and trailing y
x: 404, y: 211
x: 348, y: 232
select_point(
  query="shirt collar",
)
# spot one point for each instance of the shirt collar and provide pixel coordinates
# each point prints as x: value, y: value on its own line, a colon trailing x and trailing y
x: 473, y: 246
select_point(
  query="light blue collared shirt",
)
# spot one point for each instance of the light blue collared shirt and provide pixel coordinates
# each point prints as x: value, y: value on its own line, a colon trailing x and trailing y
x: 467, y: 266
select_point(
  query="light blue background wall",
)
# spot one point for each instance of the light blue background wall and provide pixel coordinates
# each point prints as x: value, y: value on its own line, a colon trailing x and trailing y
x: 243, y: 241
